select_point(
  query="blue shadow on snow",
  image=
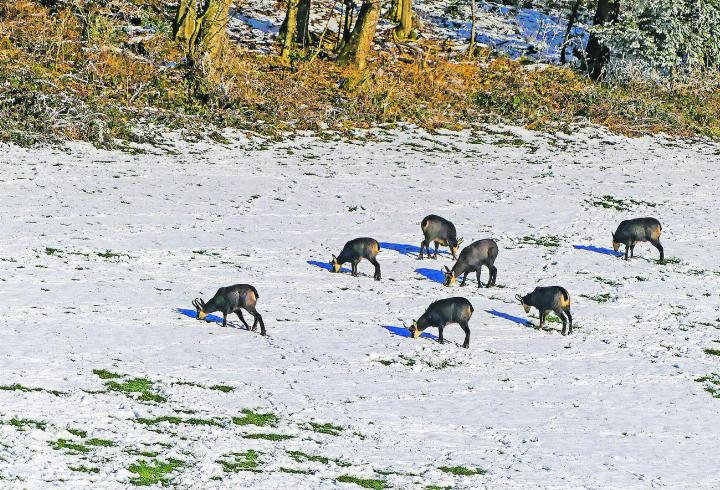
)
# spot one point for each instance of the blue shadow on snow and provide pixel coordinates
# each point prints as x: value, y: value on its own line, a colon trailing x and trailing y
x: 600, y: 250
x: 404, y: 332
x: 326, y: 266
x: 193, y: 314
x: 405, y: 248
x: 516, y: 319
x: 432, y: 274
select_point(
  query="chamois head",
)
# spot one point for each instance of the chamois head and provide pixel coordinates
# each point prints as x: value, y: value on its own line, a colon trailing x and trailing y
x: 334, y: 264
x: 454, y: 246
x: 523, y: 302
x: 199, y: 305
x: 415, y: 331
x: 450, y: 278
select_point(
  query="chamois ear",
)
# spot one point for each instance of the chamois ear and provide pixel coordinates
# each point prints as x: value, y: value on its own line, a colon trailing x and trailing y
x: 334, y: 258
x: 460, y: 241
x: 447, y: 271
x: 519, y: 298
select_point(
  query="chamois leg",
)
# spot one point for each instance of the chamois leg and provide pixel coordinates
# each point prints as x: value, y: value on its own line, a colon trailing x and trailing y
x: 463, y: 281
x: 658, y: 245
x: 561, y: 315
x: 627, y: 249
x: 477, y: 275
x: 224, y: 319
x: 422, y: 245
x: 374, y: 262
x: 542, y: 320
x: 493, y: 276
x: 354, y: 265
x: 569, y: 315
x: 242, y: 318
x: 632, y: 250
x: 466, y: 329
x: 440, y: 330
x: 258, y: 319
x: 436, y: 249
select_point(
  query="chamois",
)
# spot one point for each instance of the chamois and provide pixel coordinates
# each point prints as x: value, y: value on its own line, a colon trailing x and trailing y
x: 547, y: 299
x: 356, y: 250
x: 443, y: 312
x: 229, y: 300
x: 632, y: 231
x: 472, y: 258
x: 440, y: 231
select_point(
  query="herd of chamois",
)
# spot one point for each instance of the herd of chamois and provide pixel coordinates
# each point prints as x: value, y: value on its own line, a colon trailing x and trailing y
x: 437, y: 230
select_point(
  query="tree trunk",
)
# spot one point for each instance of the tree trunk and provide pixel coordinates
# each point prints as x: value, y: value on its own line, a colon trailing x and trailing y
x: 473, y: 31
x: 571, y: 23
x: 597, y: 54
x: 405, y: 27
x: 200, y: 29
x: 355, y: 51
x: 395, y: 12
x: 303, y: 22
x: 291, y: 28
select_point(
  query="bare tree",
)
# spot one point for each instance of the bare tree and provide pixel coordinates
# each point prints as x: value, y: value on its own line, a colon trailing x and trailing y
x: 200, y: 29
x: 291, y: 28
x: 355, y: 51
x: 473, y: 32
x: 598, y: 55
x: 568, y: 30
x: 404, y: 16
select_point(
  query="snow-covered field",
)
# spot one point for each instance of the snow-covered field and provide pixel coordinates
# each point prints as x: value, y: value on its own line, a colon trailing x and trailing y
x: 99, y: 249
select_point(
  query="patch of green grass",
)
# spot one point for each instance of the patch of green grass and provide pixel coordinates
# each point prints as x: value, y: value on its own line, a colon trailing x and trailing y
x: 78, y: 433
x: 365, y: 483
x: 107, y: 254
x: 598, y: 298
x: 268, y: 437
x: 140, y: 386
x: 247, y: 461
x: 436, y: 487
x: 153, y: 472
x: 52, y: 251
x: 223, y: 388
x: 302, y: 457
x: 22, y: 423
x: 327, y: 428
x: 549, y: 241
x: 297, y: 472
x: 712, y: 384
x: 462, y: 471
x: 668, y: 260
x: 712, y: 352
x: 610, y: 202
x: 84, y: 469
x: 406, y: 361
x: 99, y: 442
x: 609, y: 282
x: 254, y: 418
x: 105, y: 374
x: 171, y: 419
x: 140, y: 452
x: 19, y: 387
x: 73, y: 447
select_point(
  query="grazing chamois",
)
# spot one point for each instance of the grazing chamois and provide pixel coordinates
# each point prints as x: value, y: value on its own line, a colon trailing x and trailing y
x: 472, y: 258
x: 229, y: 300
x: 356, y: 250
x: 443, y: 312
x: 632, y: 231
x: 440, y: 231
x: 547, y: 299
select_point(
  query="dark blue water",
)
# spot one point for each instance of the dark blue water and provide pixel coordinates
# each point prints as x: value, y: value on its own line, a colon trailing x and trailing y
x: 600, y: 250
x: 404, y: 332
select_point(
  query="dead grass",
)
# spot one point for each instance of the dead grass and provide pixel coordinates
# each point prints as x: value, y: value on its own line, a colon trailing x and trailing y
x: 89, y: 72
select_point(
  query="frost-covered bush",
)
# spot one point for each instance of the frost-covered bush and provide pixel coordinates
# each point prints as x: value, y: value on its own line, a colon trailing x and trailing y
x: 663, y: 38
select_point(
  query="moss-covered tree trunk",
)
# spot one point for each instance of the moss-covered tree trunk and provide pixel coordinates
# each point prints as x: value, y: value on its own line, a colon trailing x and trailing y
x: 356, y: 50
x: 395, y: 10
x: 303, y: 22
x: 473, y: 27
x: 405, y: 27
x: 200, y: 29
x: 291, y: 28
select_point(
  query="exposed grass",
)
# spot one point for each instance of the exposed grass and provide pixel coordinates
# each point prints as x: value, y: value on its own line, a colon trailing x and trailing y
x: 105, y: 374
x: 268, y: 437
x: 139, y: 386
x: 153, y: 472
x: 84, y: 469
x: 327, y: 428
x: 247, y: 461
x: 19, y: 387
x: 78, y: 432
x: 365, y: 483
x: 598, y: 298
x: 712, y: 383
x: 712, y: 352
x: 462, y: 471
x: 295, y: 472
x: 223, y: 388
x: 23, y: 423
x: 254, y: 418
x: 72, y: 447
x: 611, y: 202
x: 302, y: 457
x: 171, y: 419
x: 99, y: 442
x: 549, y: 241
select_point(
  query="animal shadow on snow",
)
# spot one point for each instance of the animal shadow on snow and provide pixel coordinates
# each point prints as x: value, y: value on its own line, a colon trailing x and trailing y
x: 439, y: 276
x: 599, y: 250
x: 522, y: 321
x: 326, y: 266
x: 404, y: 332
x: 406, y: 249
x: 210, y: 318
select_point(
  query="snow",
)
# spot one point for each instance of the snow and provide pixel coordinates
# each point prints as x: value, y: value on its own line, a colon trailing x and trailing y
x: 615, y: 404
